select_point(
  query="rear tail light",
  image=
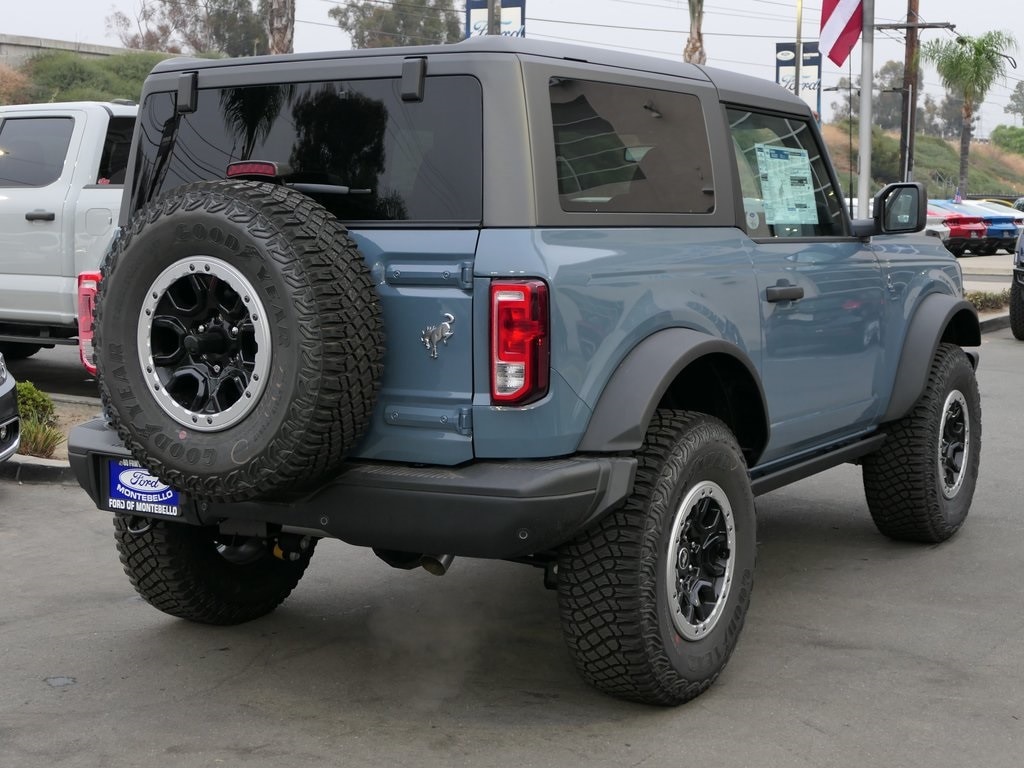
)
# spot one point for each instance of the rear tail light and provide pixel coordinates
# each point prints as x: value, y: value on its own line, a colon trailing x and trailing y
x: 520, y: 351
x: 88, y: 284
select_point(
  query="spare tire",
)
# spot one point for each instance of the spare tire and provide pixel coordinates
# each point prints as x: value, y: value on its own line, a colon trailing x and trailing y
x: 238, y: 340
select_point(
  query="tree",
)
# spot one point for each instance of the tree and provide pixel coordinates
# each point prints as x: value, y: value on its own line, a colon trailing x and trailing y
x: 280, y: 16
x: 224, y: 27
x: 969, y: 66
x: 694, y: 50
x: 14, y: 86
x: 411, y: 22
x: 1016, y: 104
x: 1008, y: 138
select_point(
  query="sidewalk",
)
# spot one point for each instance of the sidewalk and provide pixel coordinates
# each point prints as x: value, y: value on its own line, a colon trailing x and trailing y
x: 989, y: 274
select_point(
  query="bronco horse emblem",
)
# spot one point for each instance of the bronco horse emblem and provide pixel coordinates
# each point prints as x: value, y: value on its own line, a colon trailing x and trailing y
x: 437, y: 334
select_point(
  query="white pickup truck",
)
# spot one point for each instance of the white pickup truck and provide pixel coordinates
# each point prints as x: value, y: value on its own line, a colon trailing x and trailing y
x: 62, y: 168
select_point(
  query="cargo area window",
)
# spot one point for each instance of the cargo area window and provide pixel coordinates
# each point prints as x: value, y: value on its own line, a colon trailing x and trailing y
x: 786, y: 187
x: 621, y: 148
x: 399, y: 160
x: 32, y: 150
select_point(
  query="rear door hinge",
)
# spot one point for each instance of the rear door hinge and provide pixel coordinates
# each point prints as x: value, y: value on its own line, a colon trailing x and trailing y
x: 465, y: 421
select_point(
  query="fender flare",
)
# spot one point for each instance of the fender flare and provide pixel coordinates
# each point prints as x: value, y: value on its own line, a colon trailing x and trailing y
x: 930, y: 326
x: 627, y: 403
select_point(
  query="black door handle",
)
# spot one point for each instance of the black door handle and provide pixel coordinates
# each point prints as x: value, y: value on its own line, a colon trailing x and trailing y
x: 783, y: 292
x: 40, y: 215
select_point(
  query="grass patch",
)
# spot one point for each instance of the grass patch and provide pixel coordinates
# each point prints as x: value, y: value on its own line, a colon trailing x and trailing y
x: 39, y: 438
x: 988, y: 301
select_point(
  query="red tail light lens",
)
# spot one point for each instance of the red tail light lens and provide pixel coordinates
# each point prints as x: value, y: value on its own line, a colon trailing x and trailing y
x: 250, y: 168
x: 88, y: 284
x: 520, y: 351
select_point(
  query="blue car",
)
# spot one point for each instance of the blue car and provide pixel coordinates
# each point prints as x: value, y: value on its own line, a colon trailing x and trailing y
x: 10, y: 432
x: 1001, y: 232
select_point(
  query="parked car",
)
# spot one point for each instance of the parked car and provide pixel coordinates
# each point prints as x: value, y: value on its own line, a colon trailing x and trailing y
x: 62, y: 169
x: 1004, y: 209
x: 1017, y: 291
x: 995, y: 201
x: 10, y: 424
x: 1001, y: 231
x: 958, y: 231
x: 564, y: 306
x: 1019, y: 203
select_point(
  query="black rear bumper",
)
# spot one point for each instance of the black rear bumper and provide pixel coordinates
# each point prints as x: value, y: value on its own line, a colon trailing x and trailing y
x: 495, y: 509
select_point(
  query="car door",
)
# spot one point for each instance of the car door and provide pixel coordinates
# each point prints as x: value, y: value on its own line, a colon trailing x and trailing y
x: 820, y: 289
x: 34, y: 181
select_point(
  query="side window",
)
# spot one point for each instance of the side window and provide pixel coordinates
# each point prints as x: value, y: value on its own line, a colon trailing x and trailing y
x: 621, y: 148
x: 116, y: 146
x: 32, y: 150
x: 784, y: 178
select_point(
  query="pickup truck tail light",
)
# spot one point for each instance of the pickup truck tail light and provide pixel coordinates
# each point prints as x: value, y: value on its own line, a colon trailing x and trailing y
x: 88, y: 284
x: 520, y: 344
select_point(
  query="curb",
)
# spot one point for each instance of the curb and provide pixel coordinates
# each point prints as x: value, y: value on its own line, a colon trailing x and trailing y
x: 29, y: 469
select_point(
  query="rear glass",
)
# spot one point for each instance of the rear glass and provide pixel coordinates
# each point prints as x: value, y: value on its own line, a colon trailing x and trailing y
x: 401, y: 160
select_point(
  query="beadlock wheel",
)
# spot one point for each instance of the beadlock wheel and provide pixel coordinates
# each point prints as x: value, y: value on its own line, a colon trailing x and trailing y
x: 700, y: 560
x: 204, y: 343
x: 954, y: 443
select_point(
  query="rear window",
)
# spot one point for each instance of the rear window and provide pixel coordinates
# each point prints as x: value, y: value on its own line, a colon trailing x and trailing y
x: 32, y: 150
x: 622, y: 148
x: 404, y: 160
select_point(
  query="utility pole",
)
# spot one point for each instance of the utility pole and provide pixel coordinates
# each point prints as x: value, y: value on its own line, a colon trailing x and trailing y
x: 909, y: 122
x: 493, y: 17
x: 910, y: 85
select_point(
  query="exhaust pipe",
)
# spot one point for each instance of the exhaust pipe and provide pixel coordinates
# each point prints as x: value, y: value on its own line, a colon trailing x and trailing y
x: 437, y: 564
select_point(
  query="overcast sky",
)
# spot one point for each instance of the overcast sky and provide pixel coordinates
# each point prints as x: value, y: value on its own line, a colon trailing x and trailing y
x: 738, y: 34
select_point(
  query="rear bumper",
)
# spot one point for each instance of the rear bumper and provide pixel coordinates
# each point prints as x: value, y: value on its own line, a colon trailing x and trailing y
x: 495, y: 509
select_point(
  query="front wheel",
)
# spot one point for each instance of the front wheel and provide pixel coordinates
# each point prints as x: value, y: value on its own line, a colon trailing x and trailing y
x: 197, y: 574
x: 920, y: 483
x: 653, y: 598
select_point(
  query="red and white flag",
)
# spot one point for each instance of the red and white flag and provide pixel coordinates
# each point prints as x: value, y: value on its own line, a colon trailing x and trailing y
x: 841, y: 24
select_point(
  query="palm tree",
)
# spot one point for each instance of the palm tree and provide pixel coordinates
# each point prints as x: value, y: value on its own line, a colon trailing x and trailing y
x: 969, y: 66
x: 694, y: 50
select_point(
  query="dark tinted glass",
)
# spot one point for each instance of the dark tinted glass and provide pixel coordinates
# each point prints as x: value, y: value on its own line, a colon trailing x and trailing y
x: 405, y: 160
x: 32, y: 150
x: 627, y: 149
x: 116, y: 146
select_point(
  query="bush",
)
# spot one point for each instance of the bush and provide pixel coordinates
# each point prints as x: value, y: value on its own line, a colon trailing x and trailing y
x: 986, y: 301
x: 35, y: 405
x: 39, y: 438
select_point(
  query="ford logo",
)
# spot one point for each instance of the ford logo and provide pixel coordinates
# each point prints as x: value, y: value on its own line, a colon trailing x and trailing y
x: 140, y: 480
x: 785, y: 55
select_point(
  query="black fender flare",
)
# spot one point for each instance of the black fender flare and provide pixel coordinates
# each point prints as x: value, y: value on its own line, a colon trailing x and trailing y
x: 939, y: 317
x: 627, y: 403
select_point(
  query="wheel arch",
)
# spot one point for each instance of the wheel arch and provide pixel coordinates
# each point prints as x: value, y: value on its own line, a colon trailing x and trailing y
x: 680, y: 368
x: 940, y: 318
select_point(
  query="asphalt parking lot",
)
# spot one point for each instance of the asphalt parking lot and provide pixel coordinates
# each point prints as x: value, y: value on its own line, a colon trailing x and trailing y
x: 857, y: 651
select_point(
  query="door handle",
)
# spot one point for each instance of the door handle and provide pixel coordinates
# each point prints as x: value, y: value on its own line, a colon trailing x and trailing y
x: 40, y: 215
x: 783, y: 292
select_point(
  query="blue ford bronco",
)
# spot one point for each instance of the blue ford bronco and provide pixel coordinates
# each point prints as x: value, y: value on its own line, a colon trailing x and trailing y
x: 505, y: 299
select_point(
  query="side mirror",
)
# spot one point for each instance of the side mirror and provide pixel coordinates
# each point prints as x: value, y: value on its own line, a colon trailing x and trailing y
x: 899, y: 208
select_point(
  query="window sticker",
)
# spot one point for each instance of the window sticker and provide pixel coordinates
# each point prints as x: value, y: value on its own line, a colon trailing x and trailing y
x: 786, y: 184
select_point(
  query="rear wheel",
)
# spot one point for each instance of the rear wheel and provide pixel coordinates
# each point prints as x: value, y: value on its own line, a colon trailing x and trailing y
x: 198, y: 574
x: 920, y: 483
x: 1017, y: 309
x: 654, y: 597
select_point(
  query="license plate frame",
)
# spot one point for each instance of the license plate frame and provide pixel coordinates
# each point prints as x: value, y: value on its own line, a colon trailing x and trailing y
x: 128, y: 488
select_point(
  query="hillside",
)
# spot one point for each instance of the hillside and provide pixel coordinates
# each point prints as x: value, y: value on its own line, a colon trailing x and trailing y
x: 936, y: 163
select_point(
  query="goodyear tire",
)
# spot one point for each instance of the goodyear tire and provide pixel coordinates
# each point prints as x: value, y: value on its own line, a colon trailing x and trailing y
x: 193, y: 573
x: 1017, y: 309
x: 239, y: 341
x: 920, y: 483
x: 653, y: 599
